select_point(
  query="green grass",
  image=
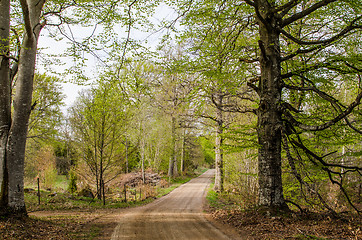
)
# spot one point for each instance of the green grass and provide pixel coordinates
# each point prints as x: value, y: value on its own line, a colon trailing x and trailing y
x: 61, y: 182
x: 212, y: 197
x: 221, y: 200
x: 65, y: 201
x: 92, y: 233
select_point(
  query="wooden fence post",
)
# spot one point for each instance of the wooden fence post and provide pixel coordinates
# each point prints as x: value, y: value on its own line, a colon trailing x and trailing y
x: 104, y: 198
x: 145, y: 193
x: 38, y: 191
x: 125, y: 192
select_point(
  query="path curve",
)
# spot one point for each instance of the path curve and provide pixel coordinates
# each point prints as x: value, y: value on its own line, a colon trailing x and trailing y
x: 177, y: 215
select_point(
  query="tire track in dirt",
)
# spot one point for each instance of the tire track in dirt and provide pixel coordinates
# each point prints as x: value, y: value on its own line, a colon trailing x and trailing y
x: 176, y: 216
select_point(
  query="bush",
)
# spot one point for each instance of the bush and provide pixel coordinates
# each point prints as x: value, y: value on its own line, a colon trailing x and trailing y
x: 44, y: 162
x: 49, y: 177
x: 72, y: 187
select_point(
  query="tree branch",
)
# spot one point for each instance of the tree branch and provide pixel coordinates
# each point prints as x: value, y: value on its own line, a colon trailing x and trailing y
x: 307, y: 69
x: 250, y: 2
x: 26, y: 17
x: 320, y: 159
x: 298, y: 176
x: 286, y: 7
x: 306, y: 12
x: 341, y: 34
x: 351, y: 126
x: 302, y: 51
x: 320, y: 93
x: 327, y: 124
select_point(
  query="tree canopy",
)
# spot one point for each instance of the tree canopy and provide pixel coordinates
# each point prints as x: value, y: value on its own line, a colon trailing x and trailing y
x: 274, y: 85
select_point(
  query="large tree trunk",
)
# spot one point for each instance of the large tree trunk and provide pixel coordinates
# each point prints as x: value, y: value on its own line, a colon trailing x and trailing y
x: 22, y: 106
x: 219, y: 175
x: 269, y: 114
x: 5, y: 114
x: 19, y: 127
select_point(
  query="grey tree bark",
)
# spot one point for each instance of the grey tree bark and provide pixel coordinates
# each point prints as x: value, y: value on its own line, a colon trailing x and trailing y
x: 172, y: 166
x: 143, y: 149
x: 219, y: 175
x: 269, y: 113
x: 182, y: 157
x: 5, y: 114
x: 22, y: 103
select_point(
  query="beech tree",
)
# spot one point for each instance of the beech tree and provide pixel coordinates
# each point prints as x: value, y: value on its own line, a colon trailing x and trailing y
x: 294, y: 51
x: 18, y: 51
x: 162, y: 121
x: 14, y: 123
x: 277, y: 118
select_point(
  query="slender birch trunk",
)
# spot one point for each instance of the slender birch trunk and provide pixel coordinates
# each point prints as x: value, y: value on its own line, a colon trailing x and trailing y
x: 171, y: 166
x: 143, y: 159
x: 182, y: 157
x: 126, y: 155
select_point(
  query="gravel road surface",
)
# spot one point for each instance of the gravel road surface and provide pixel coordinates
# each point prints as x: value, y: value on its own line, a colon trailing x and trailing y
x: 177, y: 215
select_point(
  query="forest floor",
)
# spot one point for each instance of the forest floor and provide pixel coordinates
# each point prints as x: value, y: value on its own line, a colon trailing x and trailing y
x: 252, y: 224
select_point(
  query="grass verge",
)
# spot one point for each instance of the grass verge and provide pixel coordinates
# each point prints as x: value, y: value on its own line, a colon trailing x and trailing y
x: 50, y: 200
x: 64, y: 216
x: 61, y: 215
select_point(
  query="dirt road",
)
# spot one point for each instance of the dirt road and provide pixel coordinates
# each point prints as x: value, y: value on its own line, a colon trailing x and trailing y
x: 175, y: 216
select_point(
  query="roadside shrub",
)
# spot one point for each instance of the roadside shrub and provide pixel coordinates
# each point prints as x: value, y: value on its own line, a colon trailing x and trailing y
x: 45, y: 166
x: 72, y: 187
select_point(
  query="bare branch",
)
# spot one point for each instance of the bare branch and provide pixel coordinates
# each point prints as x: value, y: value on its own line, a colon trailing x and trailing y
x: 307, y: 69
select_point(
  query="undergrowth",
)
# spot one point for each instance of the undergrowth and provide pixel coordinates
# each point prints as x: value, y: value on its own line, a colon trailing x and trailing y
x: 63, y: 200
x: 252, y: 223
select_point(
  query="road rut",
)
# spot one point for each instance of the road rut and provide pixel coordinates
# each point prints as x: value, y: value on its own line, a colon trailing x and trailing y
x: 177, y: 215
